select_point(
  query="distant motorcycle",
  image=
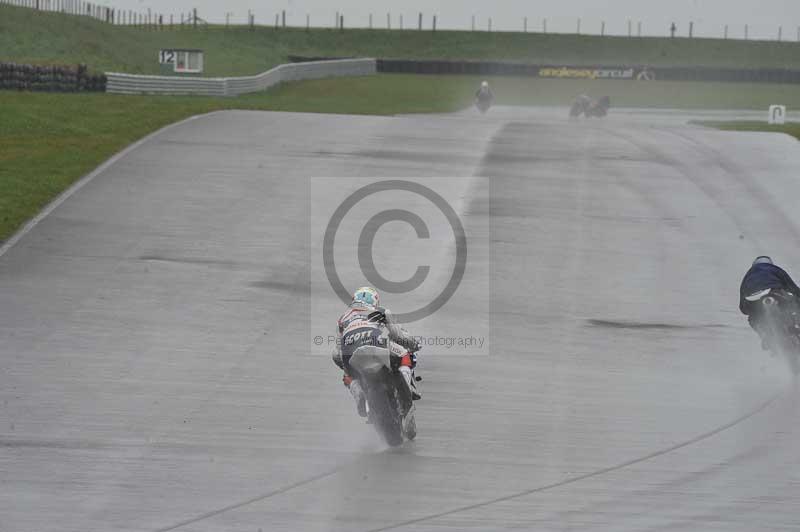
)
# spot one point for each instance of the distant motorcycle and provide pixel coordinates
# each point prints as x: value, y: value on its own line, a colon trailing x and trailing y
x: 483, y: 102
x: 780, y: 313
x: 390, y: 405
x: 589, y: 107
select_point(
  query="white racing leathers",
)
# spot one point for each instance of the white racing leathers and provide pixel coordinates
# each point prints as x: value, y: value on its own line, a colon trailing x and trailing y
x: 362, y: 326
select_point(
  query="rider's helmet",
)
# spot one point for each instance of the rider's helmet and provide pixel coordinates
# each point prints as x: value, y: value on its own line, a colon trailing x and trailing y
x: 366, y: 295
x: 484, y: 84
x: 763, y: 259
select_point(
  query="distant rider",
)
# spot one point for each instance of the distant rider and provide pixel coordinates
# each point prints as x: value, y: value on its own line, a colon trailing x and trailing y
x: 763, y: 274
x: 364, y: 315
x: 484, y: 93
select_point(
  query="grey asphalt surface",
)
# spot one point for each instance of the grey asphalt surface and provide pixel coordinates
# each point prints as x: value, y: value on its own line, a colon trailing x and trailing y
x: 156, y: 374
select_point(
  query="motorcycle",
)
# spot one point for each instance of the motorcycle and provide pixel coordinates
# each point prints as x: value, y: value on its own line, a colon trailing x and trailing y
x: 590, y: 107
x: 780, y: 314
x: 483, y: 103
x: 390, y: 404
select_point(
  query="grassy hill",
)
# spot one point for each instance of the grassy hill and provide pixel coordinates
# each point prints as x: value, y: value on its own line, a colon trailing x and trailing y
x: 40, y: 37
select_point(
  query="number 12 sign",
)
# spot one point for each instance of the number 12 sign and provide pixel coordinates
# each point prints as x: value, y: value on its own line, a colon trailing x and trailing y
x: 166, y: 57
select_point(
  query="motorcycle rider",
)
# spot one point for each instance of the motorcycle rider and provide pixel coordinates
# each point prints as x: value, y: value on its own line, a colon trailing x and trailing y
x: 484, y: 93
x: 763, y: 274
x: 364, y: 323
x: 580, y: 105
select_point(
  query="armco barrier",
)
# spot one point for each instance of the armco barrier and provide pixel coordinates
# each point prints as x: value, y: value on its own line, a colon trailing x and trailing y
x: 139, y: 84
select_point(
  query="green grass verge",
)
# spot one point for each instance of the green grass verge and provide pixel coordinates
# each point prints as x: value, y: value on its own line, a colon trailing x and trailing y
x: 37, y: 37
x: 791, y: 128
x: 47, y: 141
x: 399, y: 93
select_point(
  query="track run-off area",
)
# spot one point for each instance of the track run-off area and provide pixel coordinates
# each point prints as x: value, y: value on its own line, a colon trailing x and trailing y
x: 157, y: 371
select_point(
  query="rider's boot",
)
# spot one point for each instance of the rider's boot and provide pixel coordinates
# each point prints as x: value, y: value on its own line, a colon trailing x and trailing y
x: 763, y: 335
x: 408, y: 375
x: 359, y: 396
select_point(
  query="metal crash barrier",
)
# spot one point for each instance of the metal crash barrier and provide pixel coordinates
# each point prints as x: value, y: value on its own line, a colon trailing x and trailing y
x: 140, y: 84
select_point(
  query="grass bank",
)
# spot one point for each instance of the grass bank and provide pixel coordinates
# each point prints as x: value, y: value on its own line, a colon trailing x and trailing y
x: 399, y: 93
x: 29, y: 36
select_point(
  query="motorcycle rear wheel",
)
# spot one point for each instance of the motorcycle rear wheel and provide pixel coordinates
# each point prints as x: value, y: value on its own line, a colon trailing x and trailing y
x: 385, y: 414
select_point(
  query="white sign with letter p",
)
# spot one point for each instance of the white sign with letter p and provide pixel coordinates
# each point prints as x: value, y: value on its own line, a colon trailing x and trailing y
x: 777, y: 114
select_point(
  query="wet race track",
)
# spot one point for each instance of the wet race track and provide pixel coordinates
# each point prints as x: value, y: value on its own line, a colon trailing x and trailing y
x: 158, y: 369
